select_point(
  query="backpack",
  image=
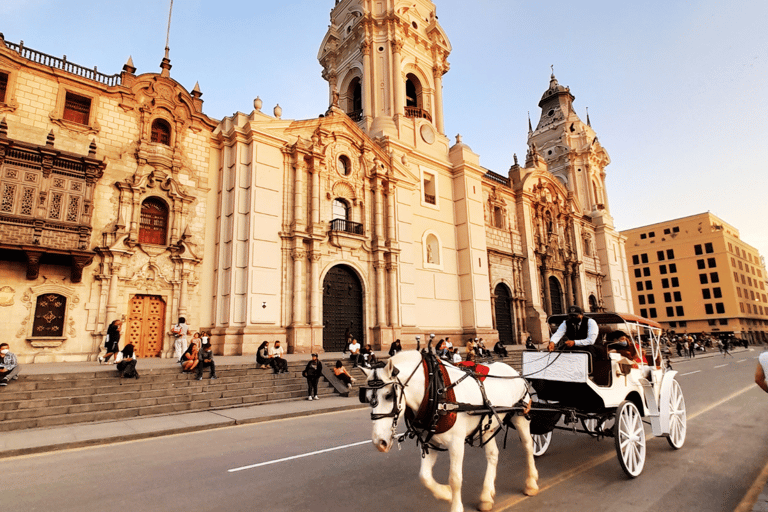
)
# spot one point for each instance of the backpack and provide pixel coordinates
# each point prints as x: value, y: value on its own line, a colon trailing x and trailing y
x: 176, y: 330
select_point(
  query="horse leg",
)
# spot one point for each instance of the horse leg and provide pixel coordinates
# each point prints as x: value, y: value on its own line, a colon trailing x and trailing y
x: 455, y: 474
x: 440, y: 491
x: 489, y: 484
x: 523, y: 427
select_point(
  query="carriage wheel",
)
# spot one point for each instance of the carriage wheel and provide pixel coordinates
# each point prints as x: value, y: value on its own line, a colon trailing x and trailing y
x: 677, y: 417
x: 541, y: 443
x: 629, y: 436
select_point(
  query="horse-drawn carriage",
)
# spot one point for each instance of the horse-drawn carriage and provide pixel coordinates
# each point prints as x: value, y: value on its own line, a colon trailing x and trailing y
x: 608, y: 397
x: 445, y: 406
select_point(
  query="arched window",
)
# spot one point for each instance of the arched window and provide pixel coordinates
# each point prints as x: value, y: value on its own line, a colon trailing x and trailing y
x: 355, y: 100
x: 498, y: 217
x: 161, y: 132
x: 593, y: 304
x: 414, y: 100
x: 433, y: 250
x: 340, y: 209
x: 154, y: 222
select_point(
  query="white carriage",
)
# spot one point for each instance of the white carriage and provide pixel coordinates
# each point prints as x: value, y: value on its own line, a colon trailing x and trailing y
x: 608, y: 398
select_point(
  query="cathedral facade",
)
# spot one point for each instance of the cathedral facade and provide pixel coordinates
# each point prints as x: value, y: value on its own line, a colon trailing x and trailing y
x: 366, y: 221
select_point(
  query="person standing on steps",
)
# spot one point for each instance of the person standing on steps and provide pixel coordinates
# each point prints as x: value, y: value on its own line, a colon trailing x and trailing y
x: 312, y: 373
x: 112, y: 341
x: 179, y: 332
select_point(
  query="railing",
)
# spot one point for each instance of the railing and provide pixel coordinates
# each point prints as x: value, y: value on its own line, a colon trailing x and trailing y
x: 346, y: 226
x: 63, y: 64
x: 418, y: 113
x: 498, y: 178
x: 356, y: 115
x: 430, y: 199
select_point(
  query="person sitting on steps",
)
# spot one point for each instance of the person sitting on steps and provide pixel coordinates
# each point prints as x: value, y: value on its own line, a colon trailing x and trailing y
x: 262, y: 355
x: 342, y: 374
x: 189, y: 359
x: 205, y: 359
x: 279, y: 364
x: 127, y: 365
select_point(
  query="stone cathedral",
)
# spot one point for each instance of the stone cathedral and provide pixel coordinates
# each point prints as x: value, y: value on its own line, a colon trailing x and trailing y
x: 122, y: 200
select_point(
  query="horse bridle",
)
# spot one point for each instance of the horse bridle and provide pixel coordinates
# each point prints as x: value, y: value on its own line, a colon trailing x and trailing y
x: 375, y: 383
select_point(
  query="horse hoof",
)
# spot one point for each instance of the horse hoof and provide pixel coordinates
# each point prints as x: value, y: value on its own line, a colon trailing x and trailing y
x: 531, y: 491
x: 485, y: 506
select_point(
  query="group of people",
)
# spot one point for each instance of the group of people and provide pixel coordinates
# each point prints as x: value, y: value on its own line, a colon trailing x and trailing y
x: 360, y: 356
x: 271, y: 357
x: 125, y: 359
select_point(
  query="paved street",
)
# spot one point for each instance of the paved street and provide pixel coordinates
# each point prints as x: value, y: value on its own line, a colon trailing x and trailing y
x: 325, y: 462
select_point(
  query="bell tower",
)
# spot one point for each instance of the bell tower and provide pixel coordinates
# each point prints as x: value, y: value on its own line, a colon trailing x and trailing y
x: 384, y: 61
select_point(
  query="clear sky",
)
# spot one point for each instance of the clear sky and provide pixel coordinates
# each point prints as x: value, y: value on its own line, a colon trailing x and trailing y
x: 676, y: 89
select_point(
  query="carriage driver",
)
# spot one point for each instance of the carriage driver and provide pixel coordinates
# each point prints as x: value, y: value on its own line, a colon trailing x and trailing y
x: 579, y: 333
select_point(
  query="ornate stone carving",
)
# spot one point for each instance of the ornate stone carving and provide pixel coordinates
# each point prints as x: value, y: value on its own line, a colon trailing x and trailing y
x: 6, y: 296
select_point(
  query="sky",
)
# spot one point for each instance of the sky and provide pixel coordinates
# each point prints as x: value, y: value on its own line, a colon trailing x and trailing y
x: 676, y: 89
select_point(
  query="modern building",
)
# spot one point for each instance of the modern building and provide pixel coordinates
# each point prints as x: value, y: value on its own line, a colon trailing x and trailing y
x: 122, y: 199
x: 696, y: 275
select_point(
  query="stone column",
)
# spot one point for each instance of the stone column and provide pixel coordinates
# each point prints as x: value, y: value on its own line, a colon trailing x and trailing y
x: 315, y: 195
x: 394, y: 317
x: 183, y: 293
x: 390, y: 214
x: 368, y: 93
x: 298, y: 256
x: 569, y: 296
x: 547, y: 296
x: 438, y: 113
x: 299, y: 219
x: 397, y: 77
x: 378, y: 229
x: 381, y: 287
x: 112, y: 296
x: 316, y: 298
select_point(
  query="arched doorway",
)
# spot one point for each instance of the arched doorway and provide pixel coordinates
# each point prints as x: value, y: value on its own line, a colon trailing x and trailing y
x: 503, y: 310
x: 342, y: 308
x: 555, y: 296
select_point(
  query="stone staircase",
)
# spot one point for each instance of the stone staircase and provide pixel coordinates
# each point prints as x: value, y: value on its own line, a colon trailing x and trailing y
x: 48, y: 400
x: 37, y: 401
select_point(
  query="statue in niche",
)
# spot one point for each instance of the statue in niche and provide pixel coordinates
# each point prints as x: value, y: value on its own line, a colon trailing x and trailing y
x: 430, y: 257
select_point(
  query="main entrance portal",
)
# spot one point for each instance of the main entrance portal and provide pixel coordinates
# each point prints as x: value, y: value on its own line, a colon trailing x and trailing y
x: 342, y: 308
x: 504, y: 315
x: 146, y: 317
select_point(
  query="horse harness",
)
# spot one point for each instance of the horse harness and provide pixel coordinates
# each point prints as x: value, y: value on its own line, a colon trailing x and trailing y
x: 439, y: 409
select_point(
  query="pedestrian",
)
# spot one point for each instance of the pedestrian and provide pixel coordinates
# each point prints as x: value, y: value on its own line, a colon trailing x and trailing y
x: 726, y: 346
x: 205, y: 360
x: 9, y: 365
x: 342, y: 374
x: 395, y: 347
x: 456, y: 356
x: 189, y: 360
x: 312, y: 373
x: 347, y: 340
x: 279, y: 365
x: 500, y: 350
x: 126, y: 367
x: 691, y: 348
x: 761, y: 371
x: 262, y: 355
x: 354, y: 353
x: 111, y: 341
x: 529, y: 345
x: 179, y: 332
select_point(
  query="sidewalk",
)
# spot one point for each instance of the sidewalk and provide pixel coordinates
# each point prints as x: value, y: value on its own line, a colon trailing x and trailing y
x: 42, y: 440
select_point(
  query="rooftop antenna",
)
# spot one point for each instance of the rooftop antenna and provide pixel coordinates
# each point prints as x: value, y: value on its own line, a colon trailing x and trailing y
x: 165, y: 65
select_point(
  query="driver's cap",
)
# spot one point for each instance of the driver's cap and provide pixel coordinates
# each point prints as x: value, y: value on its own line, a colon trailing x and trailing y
x: 575, y: 310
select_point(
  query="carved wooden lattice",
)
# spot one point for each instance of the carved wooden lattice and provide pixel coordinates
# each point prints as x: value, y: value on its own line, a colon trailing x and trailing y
x: 49, y: 315
x: 146, y: 317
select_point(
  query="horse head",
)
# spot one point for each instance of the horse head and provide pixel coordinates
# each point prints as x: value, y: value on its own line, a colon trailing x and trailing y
x: 385, y: 391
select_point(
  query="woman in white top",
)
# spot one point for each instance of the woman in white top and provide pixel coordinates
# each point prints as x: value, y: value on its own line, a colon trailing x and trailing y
x: 180, y: 331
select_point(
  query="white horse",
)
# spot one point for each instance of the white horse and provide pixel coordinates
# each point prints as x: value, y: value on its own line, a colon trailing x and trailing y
x: 402, y: 384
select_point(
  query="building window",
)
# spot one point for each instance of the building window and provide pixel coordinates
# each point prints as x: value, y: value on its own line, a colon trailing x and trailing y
x: 643, y: 236
x: 154, y: 222
x: 652, y: 234
x: 653, y: 313
x: 683, y: 323
x: 673, y: 268
x: 678, y: 297
x: 660, y: 255
x: 675, y: 229
x: 706, y: 293
x: 665, y: 283
x: 738, y: 291
x: 639, y: 286
x: 675, y: 282
x: 708, y: 309
x: 662, y: 269
x: 647, y: 271
x: 670, y: 311
x: 667, y: 297
x: 697, y: 250
x: 711, y: 263
x: 714, y: 277
x: 430, y: 194
x: 638, y: 273
x: 679, y: 311
x: 644, y: 258
x: 670, y: 254
x: 641, y: 300
x: 701, y: 264
x: 703, y: 279
x: 667, y: 231
x: 161, y: 132
x: 723, y: 321
x: 644, y: 312
x: 498, y: 217
x: 49, y: 316
x: 708, y: 248
x: 344, y: 165
x: 3, y: 86
x: 635, y: 259
x: 77, y: 108
x: 720, y: 308
x: 717, y: 293
x: 648, y: 285
x: 651, y: 299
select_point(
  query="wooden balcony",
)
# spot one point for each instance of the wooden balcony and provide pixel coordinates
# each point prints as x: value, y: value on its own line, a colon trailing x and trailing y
x: 417, y: 113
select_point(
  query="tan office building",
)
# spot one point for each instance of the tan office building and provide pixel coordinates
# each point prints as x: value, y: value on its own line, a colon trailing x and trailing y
x: 696, y: 275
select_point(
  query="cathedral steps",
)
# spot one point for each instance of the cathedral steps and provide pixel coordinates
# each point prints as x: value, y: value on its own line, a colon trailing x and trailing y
x: 37, y: 401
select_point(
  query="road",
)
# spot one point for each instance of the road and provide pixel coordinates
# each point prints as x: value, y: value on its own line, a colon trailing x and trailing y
x: 326, y: 463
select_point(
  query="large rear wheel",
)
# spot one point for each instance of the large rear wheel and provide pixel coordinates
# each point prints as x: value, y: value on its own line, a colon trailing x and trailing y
x: 629, y: 437
x: 677, y: 417
x: 541, y: 443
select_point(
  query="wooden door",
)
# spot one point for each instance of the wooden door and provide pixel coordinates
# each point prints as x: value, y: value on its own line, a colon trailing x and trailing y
x: 504, y: 315
x: 342, y: 308
x: 146, y: 317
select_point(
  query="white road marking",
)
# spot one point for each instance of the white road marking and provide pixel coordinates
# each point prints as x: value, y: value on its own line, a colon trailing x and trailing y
x: 267, y: 463
x: 720, y: 365
x: 741, y: 361
x: 690, y: 373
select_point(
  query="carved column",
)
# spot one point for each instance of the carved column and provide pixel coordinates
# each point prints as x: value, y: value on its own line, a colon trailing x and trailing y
x: 298, y: 256
x: 368, y: 94
x: 378, y: 230
x: 299, y: 220
x: 316, y: 296
x: 315, y: 195
x: 394, y: 317
x: 568, y: 287
x: 183, y: 293
x: 545, y: 285
x: 438, y: 113
x: 112, y: 296
x: 397, y: 77
x: 390, y: 214
x: 381, y: 287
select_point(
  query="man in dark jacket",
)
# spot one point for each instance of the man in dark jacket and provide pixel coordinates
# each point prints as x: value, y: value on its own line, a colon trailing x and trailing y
x: 312, y: 373
x: 205, y: 356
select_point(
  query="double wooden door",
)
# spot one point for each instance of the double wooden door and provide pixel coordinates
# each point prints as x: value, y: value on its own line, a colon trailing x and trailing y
x: 146, y: 318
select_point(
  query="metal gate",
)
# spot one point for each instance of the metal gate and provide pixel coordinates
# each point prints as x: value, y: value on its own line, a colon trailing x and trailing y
x: 504, y: 315
x: 342, y: 308
x: 146, y: 317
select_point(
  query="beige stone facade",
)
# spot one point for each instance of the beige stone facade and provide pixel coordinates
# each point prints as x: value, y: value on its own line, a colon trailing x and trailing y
x: 367, y: 221
x: 695, y: 275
